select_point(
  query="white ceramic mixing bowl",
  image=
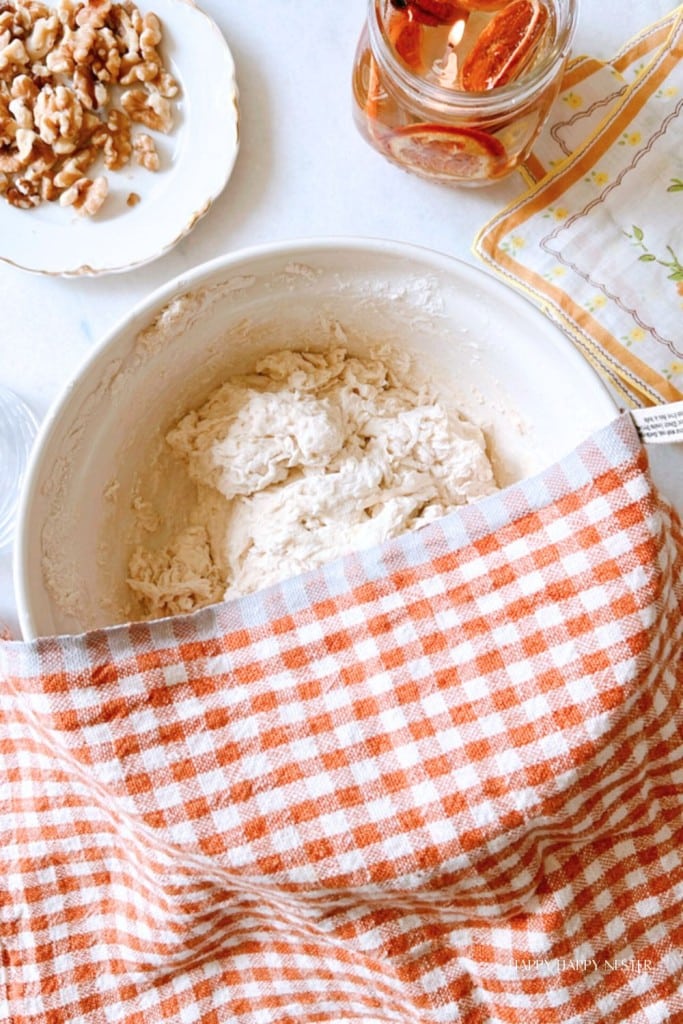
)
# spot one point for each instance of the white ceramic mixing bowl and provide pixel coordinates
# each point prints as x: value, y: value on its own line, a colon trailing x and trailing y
x: 490, y: 351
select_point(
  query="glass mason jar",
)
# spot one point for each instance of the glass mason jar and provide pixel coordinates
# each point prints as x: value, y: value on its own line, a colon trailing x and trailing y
x: 451, y: 96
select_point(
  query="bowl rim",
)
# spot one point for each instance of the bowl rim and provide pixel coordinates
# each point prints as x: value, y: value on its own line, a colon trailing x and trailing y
x: 294, y: 248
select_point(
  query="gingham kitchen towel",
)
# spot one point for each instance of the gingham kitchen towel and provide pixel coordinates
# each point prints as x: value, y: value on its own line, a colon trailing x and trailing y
x: 441, y: 780
x: 597, y: 241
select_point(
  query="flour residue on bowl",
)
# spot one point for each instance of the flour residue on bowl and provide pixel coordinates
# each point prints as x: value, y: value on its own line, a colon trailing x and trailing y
x: 160, y: 538
x: 310, y: 456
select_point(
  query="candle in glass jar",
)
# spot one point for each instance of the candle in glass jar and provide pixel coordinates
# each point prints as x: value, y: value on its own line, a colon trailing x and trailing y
x: 457, y: 92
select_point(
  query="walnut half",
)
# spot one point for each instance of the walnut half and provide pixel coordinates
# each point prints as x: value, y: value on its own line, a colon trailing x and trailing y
x: 85, y: 195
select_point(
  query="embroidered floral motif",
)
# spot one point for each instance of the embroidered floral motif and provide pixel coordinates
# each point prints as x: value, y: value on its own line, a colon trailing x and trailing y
x: 673, y: 264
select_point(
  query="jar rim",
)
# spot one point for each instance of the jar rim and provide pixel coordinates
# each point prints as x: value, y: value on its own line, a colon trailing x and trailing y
x: 495, y: 100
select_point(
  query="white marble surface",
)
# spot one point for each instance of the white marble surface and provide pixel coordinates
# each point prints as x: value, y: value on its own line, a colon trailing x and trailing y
x: 302, y: 171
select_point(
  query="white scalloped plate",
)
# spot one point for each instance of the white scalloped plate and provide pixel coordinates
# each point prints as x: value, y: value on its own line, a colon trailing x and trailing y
x: 197, y: 158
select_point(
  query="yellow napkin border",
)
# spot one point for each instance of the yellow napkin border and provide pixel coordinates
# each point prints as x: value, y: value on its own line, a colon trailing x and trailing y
x: 635, y: 381
x: 644, y: 46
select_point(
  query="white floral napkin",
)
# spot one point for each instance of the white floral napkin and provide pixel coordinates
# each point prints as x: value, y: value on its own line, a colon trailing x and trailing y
x: 597, y: 240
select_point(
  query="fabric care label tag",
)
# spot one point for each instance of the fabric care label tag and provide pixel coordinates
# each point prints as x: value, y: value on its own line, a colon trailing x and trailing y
x: 660, y: 424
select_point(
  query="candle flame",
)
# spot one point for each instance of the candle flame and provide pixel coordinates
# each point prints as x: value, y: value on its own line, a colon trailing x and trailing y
x: 457, y: 32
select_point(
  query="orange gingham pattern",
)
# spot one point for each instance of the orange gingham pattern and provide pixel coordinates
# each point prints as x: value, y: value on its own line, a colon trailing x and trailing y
x: 437, y: 781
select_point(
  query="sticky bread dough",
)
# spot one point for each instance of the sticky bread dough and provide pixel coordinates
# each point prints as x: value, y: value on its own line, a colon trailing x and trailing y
x: 313, y: 455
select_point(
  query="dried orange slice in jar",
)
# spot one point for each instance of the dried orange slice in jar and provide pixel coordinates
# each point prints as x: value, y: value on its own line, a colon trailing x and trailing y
x: 405, y: 36
x: 430, y: 12
x: 487, y: 6
x: 446, y: 153
x: 503, y: 48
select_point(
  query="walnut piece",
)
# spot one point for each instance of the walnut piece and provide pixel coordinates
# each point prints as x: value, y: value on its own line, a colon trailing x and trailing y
x: 117, y: 145
x: 145, y: 151
x: 58, y: 115
x: 85, y: 195
x: 148, y: 107
x: 63, y: 71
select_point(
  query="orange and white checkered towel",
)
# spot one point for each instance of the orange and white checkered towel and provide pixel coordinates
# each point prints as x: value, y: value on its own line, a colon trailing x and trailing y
x: 441, y: 780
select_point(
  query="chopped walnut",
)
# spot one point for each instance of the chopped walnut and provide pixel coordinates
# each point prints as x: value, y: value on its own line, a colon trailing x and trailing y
x: 62, y: 70
x: 43, y: 37
x: 25, y: 138
x: 117, y: 145
x: 82, y: 44
x: 8, y: 126
x: 167, y: 85
x: 107, y: 60
x: 24, y: 88
x: 133, y: 71
x: 48, y: 190
x: 10, y: 163
x: 150, y: 37
x: 13, y: 54
x: 145, y: 151
x: 94, y: 13
x: 127, y: 23
x: 24, y: 193
x: 22, y: 112
x: 85, y: 195
x: 67, y: 12
x: 60, y: 61
x: 149, y: 108
x: 43, y: 157
x: 75, y: 167
x: 58, y: 115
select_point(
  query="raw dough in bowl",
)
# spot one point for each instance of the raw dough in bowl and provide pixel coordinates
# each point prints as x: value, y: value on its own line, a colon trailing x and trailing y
x: 94, y: 490
x: 311, y: 456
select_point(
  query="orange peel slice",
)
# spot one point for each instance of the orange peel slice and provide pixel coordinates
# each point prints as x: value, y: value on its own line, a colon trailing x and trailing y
x: 431, y: 12
x: 504, y: 46
x: 405, y: 37
x: 487, y: 6
x: 444, y: 152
